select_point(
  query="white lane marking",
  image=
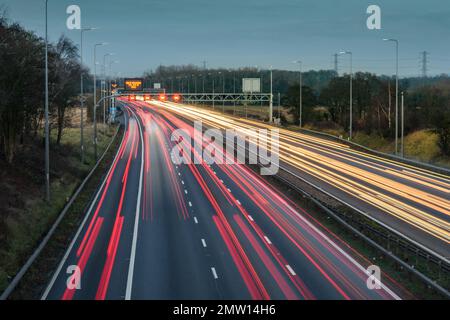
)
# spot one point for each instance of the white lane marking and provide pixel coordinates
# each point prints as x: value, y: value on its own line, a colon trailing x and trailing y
x: 185, y: 191
x: 291, y: 270
x: 221, y: 180
x: 136, y: 220
x: 251, y: 218
x: 195, y: 220
x: 229, y: 190
x: 268, y: 240
x: 345, y: 254
x: 66, y: 255
x: 204, y: 243
x: 182, y: 182
x: 213, y: 270
x: 179, y: 174
x: 190, y: 204
x: 238, y: 202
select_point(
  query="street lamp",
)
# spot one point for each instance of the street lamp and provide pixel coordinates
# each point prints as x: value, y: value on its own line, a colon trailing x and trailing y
x: 105, y: 93
x: 223, y: 91
x: 213, y: 91
x: 271, y: 96
x: 396, y: 92
x: 82, y: 31
x: 351, y: 91
x: 109, y: 85
x: 300, y: 94
x: 234, y: 92
x: 402, y: 148
x: 47, y: 138
x: 95, y: 94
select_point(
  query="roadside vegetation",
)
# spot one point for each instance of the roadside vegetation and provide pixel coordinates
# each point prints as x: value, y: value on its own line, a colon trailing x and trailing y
x: 24, y: 216
x: 326, y: 104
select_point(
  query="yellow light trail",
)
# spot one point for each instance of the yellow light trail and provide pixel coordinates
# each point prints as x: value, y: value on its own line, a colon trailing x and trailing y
x: 368, y: 178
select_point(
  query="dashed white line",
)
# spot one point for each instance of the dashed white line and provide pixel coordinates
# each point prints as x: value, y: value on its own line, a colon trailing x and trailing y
x: 195, y: 220
x: 251, y: 218
x: 179, y: 174
x: 268, y: 240
x: 213, y: 270
x: 185, y: 191
x: 229, y: 190
x: 190, y: 204
x: 182, y: 182
x: 238, y: 202
x: 291, y: 270
x: 204, y: 243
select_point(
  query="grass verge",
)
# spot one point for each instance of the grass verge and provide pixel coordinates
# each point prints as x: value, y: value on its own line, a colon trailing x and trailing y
x: 33, y: 217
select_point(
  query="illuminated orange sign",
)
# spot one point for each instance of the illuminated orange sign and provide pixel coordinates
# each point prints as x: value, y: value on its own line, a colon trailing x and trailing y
x: 133, y: 84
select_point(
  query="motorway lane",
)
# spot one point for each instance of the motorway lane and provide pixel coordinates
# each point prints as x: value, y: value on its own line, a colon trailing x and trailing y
x: 314, y: 269
x: 102, y: 245
x: 412, y: 201
x: 199, y: 232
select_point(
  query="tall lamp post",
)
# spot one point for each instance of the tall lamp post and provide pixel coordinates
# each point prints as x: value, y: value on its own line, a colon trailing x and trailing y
x: 402, y: 150
x: 82, y: 31
x: 396, y: 92
x: 47, y: 138
x: 95, y: 95
x: 351, y: 91
x: 271, y: 96
x: 109, y: 85
x: 300, y: 122
x: 105, y: 93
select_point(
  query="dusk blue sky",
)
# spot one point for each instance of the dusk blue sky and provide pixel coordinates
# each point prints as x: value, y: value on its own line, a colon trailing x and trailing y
x: 237, y: 33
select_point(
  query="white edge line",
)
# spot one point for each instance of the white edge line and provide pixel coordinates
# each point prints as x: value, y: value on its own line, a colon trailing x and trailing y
x: 75, y: 238
x: 291, y: 270
x: 136, y: 221
x: 345, y: 254
x: 214, y: 272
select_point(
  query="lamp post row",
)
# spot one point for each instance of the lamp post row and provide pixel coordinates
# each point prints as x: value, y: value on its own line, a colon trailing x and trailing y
x: 82, y: 100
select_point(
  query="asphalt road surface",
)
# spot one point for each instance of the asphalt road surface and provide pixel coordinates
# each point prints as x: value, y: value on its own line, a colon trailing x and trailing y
x: 157, y: 230
x: 408, y: 200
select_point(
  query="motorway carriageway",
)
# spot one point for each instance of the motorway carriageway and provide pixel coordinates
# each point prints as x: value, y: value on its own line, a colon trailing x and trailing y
x: 408, y: 200
x: 156, y: 230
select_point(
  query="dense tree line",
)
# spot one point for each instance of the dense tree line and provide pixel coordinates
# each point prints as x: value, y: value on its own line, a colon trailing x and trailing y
x: 22, y: 84
x: 427, y: 106
x: 190, y: 78
x: 427, y: 100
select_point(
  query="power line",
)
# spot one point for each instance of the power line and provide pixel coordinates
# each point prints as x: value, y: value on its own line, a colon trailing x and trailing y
x: 424, y: 63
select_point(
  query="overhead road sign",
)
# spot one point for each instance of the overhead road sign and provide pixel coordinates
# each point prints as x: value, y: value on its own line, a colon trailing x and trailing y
x: 134, y: 84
